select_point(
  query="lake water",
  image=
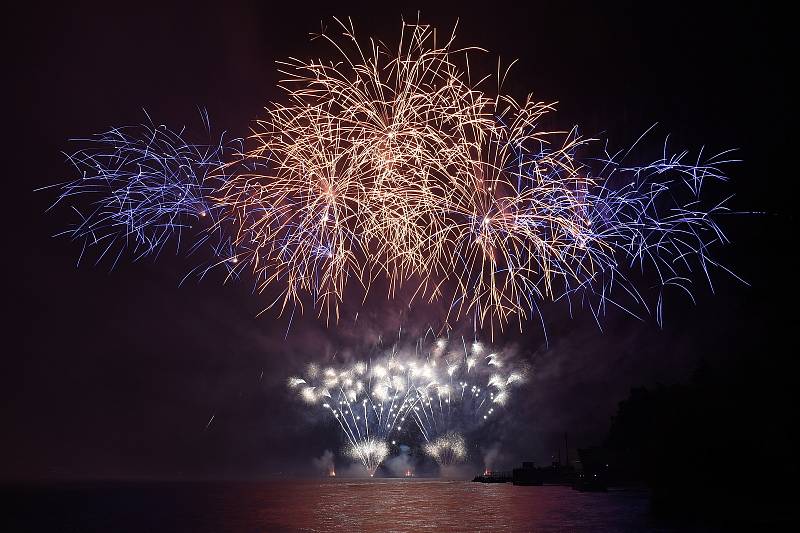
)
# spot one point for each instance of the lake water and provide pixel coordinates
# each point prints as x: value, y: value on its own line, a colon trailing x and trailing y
x: 321, y: 505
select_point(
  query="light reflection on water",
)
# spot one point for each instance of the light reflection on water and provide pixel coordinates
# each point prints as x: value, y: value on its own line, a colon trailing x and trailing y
x: 324, y: 505
x: 433, y: 505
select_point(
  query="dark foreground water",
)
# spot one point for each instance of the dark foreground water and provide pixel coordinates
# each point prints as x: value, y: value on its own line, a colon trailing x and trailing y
x: 335, y: 505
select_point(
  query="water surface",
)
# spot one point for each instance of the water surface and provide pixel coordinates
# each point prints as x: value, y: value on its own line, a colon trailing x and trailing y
x: 322, y: 505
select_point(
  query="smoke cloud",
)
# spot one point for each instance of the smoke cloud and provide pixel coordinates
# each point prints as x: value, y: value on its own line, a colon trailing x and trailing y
x: 492, y: 456
x: 325, y: 463
x: 401, y: 464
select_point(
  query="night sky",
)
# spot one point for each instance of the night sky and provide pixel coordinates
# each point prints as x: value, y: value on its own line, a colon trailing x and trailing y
x: 116, y: 374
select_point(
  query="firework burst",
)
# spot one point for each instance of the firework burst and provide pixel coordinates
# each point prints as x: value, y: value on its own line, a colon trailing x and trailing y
x: 395, y: 167
x: 369, y: 400
x: 429, y: 393
x: 370, y: 452
x: 464, y: 387
x: 393, y: 163
x: 140, y: 187
x: 447, y: 449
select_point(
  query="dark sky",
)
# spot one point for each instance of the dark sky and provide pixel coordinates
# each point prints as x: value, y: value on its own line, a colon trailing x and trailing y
x: 117, y: 374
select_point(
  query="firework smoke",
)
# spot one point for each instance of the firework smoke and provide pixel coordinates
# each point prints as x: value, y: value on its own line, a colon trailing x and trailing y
x: 490, y: 457
x: 325, y: 463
